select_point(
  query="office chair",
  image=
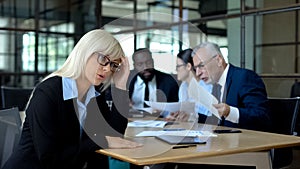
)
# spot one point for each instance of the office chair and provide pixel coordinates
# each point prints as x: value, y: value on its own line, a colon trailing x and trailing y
x: 10, y: 131
x: 295, y: 92
x: 284, y: 112
x: 15, y: 97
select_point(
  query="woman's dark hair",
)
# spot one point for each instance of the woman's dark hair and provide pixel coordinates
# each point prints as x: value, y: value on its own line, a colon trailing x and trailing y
x: 186, y: 56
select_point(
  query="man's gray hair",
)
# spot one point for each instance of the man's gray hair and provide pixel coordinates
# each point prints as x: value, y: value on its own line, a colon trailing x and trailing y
x: 211, y: 47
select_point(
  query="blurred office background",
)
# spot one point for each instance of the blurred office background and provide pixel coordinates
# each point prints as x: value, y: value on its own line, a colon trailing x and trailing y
x: 36, y: 36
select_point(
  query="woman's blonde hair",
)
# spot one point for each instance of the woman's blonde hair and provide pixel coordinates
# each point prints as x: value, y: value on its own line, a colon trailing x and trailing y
x: 97, y: 40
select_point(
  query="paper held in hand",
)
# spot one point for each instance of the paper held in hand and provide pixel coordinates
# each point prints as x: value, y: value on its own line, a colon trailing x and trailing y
x: 172, y: 106
x: 203, y: 97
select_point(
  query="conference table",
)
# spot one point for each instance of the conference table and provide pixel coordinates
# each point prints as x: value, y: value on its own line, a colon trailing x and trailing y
x: 248, y: 148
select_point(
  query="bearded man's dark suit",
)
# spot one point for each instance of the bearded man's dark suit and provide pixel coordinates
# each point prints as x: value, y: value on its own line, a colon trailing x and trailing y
x: 164, y: 83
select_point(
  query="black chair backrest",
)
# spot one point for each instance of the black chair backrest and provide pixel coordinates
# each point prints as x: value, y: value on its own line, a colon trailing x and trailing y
x: 15, y: 97
x: 284, y: 112
x: 295, y: 90
x: 10, y: 131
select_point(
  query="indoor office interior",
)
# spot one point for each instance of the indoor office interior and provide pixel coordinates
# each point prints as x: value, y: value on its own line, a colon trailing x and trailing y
x: 36, y: 37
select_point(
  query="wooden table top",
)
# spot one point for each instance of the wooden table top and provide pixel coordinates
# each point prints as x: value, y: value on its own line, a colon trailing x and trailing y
x: 155, y: 151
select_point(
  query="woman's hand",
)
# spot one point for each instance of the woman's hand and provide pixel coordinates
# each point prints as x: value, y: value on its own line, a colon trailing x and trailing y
x: 117, y: 142
x: 120, y: 77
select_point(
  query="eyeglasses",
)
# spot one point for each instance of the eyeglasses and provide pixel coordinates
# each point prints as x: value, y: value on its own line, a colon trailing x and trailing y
x: 104, y: 61
x: 178, y: 66
x: 201, y: 65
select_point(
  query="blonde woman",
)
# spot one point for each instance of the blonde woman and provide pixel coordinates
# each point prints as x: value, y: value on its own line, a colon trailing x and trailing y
x: 67, y: 119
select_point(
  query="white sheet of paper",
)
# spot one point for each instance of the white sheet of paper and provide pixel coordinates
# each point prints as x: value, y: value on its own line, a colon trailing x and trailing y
x: 145, y: 109
x: 172, y: 106
x: 202, y: 96
x: 147, y: 123
x: 176, y: 133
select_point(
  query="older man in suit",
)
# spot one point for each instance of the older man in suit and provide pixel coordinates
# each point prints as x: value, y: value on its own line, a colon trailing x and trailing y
x: 147, y: 83
x: 243, y: 97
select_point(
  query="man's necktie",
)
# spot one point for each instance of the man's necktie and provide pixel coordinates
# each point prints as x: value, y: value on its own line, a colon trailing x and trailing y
x: 216, y: 91
x: 146, y: 94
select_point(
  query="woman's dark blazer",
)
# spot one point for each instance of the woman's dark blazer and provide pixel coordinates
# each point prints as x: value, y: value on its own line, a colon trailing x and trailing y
x: 52, y: 137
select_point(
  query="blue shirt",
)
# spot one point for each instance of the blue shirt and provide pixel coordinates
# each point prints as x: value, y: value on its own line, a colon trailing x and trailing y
x: 70, y: 91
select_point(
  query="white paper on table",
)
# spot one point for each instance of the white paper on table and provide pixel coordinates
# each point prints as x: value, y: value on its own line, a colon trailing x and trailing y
x: 192, y: 133
x: 172, y: 106
x: 147, y: 123
x: 145, y: 109
x: 202, y: 96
